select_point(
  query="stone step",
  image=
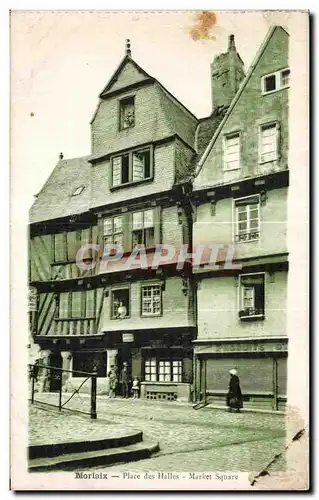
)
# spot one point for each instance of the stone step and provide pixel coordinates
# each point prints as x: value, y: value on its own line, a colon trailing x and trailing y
x: 54, y: 450
x: 94, y: 458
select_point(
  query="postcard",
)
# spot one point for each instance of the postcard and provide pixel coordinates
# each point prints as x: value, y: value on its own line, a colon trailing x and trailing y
x: 159, y: 194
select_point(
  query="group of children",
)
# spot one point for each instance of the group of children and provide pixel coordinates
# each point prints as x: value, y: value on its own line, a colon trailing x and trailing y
x: 112, y: 383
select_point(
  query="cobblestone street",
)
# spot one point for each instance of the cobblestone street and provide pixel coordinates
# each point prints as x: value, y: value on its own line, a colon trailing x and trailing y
x: 203, y: 440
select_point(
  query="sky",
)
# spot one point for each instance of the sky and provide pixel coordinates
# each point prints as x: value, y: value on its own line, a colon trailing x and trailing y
x: 61, y: 60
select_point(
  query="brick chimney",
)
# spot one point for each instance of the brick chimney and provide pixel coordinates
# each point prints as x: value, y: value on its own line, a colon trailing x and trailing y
x: 227, y: 72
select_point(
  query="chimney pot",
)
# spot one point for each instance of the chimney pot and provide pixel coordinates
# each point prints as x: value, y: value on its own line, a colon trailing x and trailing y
x: 128, y: 47
x: 61, y: 156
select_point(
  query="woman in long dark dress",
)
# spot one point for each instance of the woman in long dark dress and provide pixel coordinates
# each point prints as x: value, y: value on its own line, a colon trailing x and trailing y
x: 234, y: 398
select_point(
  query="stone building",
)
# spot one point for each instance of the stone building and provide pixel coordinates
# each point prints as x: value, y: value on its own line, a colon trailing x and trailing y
x: 240, y: 191
x: 157, y: 175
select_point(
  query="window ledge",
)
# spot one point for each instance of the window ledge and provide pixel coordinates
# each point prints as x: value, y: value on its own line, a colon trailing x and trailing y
x: 151, y: 315
x: 252, y: 317
x: 231, y: 169
x: 276, y: 90
x: 131, y: 183
x: 262, y: 162
x: 148, y: 382
x: 120, y: 319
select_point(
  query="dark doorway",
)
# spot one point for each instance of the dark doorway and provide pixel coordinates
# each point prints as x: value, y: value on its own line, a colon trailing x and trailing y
x: 55, y: 359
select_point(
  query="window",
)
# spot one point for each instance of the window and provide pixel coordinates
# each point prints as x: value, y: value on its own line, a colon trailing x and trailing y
x: 157, y: 369
x: 76, y: 305
x: 78, y: 191
x: 285, y: 78
x: 231, y: 152
x: 134, y: 166
x: 276, y: 81
x: 127, y: 113
x: 252, y: 296
x: 268, y: 148
x: 113, y: 231
x: 247, y: 219
x: 151, y: 300
x: 143, y: 228
x: 150, y: 370
x: 120, y: 303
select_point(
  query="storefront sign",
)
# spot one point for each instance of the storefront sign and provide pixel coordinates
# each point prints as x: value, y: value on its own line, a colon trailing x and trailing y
x: 127, y: 337
x: 251, y: 347
x: 32, y: 299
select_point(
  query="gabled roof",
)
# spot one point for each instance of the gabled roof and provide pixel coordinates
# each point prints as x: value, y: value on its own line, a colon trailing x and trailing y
x: 237, y: 96
x: 126, y: 60
x: 56, y: 199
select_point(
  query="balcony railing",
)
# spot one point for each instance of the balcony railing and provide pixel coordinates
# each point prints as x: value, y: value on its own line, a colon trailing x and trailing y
x: 251, y: 236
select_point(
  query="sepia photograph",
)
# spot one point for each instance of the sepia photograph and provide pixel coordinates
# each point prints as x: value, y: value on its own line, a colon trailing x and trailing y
x: 159, y: 185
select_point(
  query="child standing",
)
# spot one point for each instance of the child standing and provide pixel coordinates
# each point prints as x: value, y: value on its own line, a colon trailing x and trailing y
x: 136, y: 388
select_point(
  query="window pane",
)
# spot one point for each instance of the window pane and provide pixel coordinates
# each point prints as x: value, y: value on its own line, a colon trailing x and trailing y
x: 137, y: 220
x: 117, y: 221
x: 125, y: 169
x: 90, y: 296
x: 148, y: 218
x: 107, y: 227
x: 270, y: 83
x: 285, y: 77
x: 117, y: 171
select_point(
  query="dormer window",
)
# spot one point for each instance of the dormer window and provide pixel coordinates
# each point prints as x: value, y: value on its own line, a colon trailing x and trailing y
x: 127, y: 113
x: 132, y: 167
x: 78, y: 191
x: 275, y: 81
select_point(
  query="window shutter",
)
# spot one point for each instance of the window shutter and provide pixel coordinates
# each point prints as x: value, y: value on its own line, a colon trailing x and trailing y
x: 72, y: 245
x: 64, y: 305
x: 138, y: 166
x: 76, y: 304
x: 157, y: 225
x: 59, y: 247
x: 116, y: 171
x: 90, y: 301
x: 127, y: 231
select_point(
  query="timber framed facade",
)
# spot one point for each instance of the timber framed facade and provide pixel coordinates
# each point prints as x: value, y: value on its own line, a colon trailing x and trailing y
x: 157, y: 175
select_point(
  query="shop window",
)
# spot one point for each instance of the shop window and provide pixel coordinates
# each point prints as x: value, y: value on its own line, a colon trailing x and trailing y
x: 134, y: 166
x: 275, y: 81
x: 231, y: 152
x: 120, y: 303
x: 252, y: 296
x: 143, y: 228
x: 247, y: 219
x: 151, y: 300
x: 127, y: 113
x: 268, y: 142
x: 89, y: 362
x: 161, y: 369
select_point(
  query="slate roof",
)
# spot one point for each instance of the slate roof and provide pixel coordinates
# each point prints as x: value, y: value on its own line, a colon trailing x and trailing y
x: 55, y: 198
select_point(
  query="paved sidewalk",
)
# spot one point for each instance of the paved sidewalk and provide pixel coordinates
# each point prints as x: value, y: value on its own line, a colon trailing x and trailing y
x: 191, y: 440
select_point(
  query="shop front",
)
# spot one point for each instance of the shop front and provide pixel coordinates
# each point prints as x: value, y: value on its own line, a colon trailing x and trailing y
x: 261, y: 366
x: 162, y: 360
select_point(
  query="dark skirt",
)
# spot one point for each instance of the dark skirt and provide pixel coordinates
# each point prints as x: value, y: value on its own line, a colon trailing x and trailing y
x: 234, y: 397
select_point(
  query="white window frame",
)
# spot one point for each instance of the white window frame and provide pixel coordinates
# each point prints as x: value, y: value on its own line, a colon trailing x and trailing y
x: 226, y: 137
x: 240, y: 298
x: 149, y: 149
x: 78, y: 191
x: 236, y: 220
x: 152, y: 285
x: 278, y: 80
x: 262, y: 127
x: 114, y: 233
x: 111, y: 303
x: 143, y: 228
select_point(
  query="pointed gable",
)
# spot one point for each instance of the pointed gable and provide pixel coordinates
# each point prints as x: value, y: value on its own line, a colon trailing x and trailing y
x: 128, y: 73
x: 248, y: 110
